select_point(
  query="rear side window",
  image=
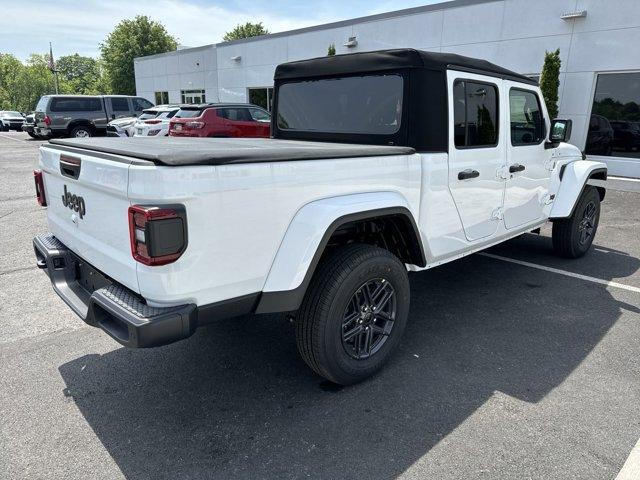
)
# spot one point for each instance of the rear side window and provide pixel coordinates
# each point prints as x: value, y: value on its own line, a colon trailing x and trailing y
x: 188, y: 113
x: 475, y: 114
x: 76, y: 104
x: 525, y: 116
x: 235, y: 114
x: 119, y: 104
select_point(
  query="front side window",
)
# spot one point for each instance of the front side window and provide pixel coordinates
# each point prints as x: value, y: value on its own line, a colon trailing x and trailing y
x: 475, y: 114
x: 259, y: 115
x: 614, y: 126
x: 525, y: 116
x: 140, y: 104
x: 370, y: 104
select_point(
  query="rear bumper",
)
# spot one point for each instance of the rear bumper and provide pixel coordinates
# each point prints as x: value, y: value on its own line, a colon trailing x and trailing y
x: 107, y: 305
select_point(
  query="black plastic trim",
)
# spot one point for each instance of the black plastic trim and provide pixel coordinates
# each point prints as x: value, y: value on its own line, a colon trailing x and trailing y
x: 290, y: 300
x: 123, y: 314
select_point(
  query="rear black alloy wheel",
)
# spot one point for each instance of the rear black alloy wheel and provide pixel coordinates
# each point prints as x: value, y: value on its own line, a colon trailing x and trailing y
x: 368, y: 318
x: 354, y: 313
x: 572, y: 237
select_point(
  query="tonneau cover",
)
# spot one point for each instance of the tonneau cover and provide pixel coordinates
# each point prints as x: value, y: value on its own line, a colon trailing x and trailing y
x: 175, y: 151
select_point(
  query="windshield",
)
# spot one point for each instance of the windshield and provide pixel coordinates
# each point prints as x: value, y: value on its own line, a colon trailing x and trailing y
x: 370, y: 104
x: 188, y: 113
x: 148, y: 114
x: 167, y: 114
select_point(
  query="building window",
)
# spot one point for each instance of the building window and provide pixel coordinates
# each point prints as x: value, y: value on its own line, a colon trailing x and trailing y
x: 527, y: 122
x: 475, y: 114
x: 262, y: 97
x: 614, y: 126
x: 162, y: 98
x: 192, y: 96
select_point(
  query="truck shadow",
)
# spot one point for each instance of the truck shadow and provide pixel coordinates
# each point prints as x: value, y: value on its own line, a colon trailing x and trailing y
x: 236, y: 401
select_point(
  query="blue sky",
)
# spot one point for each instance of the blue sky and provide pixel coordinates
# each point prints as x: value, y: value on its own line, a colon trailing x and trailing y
x: 79, y: 26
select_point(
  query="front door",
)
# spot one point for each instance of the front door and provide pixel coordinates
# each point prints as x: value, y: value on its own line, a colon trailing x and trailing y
x: 476, y: 152
x: 529, y: 164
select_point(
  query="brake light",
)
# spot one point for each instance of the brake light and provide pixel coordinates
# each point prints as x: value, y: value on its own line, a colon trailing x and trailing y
x: 158, y: 234
x: 47, y: 120
x: 40, y: 196
x: 194, y: 125
x: 152, y: 122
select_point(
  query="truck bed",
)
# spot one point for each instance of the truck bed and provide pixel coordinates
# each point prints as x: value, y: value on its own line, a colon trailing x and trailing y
x: 173, y: 151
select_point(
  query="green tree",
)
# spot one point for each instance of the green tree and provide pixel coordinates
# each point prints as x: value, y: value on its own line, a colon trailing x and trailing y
x: 130, y: 39
x: 331, y: 51
x: 245, y: 31
x: 550, y: 81
x: 22, y: 84
x: 82, y: 74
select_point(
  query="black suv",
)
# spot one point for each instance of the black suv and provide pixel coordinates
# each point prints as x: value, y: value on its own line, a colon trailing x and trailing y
x: 83, y: 115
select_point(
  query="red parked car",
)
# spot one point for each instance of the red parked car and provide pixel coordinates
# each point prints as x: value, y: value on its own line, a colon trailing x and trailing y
x: 220, y: 120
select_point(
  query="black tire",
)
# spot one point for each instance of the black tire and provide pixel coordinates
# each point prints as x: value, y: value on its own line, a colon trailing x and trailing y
x: 4, y: 128
x: 572, y: 237
x: 81, y: 131
x: 32, y: 135
x: 334, y: 294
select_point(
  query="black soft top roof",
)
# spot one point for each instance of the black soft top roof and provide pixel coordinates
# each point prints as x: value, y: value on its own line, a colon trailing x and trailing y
x: 391, y: 60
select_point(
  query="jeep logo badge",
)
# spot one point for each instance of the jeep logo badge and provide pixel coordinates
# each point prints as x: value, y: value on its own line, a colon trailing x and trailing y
x: 73, y: 202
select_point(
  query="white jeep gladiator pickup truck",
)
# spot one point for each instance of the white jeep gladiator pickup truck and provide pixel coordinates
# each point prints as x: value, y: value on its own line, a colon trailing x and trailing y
x: 380, y: 163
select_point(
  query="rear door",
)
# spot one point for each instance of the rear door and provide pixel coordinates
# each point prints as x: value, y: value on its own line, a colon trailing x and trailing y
x: 87, y: 209
x: 529, y: 164
x: 476, y: 152
x: 118, y: 107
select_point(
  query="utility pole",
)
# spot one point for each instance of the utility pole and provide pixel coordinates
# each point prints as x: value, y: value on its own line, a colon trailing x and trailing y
x: 52, y: 66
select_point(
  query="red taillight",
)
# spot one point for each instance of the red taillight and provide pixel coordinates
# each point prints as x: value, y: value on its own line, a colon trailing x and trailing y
x: 158, y: 235
x: 194, y: 125
x: 47, y: 120
x: 152, y: 121
x: 40, y: 196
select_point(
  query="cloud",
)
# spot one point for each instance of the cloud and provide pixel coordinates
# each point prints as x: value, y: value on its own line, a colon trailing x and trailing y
x: 80, y: 27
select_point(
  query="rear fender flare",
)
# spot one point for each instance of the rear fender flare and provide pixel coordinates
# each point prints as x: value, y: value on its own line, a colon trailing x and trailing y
x: 575, y: 176
x: 306, y: 237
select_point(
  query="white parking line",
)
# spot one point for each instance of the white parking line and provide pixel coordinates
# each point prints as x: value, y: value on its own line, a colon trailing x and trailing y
x: 624, y: 179
x: 631, y: 468
x: 563, y: 272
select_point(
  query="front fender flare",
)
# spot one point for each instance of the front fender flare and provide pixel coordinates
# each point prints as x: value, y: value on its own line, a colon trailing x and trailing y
x: 306, y: 237
x: 575, y: 176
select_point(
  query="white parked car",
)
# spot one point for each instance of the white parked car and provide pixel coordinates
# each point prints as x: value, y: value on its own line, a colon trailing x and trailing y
x: 381, y: 163
x: 10, y: 120
x: 157, y: 126
x: 125, y: 127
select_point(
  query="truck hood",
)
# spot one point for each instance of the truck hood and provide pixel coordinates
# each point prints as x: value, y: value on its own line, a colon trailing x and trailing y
x: 175, y: 151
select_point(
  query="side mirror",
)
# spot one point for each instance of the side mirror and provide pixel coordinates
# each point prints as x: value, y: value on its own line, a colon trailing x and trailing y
x: 560, y: 130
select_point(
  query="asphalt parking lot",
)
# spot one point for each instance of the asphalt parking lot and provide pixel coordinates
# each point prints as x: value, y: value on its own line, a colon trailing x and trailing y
x: 507, y: 370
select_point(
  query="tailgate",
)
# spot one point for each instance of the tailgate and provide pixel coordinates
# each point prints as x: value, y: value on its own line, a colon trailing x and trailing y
x: 87, y: 209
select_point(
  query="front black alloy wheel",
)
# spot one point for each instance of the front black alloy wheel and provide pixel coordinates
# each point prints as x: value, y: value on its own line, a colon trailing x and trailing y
x: 572, y: 237
x: 354, y: 313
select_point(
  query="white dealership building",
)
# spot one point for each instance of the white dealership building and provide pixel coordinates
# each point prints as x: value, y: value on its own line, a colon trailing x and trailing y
x: 599, y: 42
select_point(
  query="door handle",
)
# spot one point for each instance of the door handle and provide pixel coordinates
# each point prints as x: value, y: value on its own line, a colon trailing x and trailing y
x: 467, y: 174
x: 516, y: 167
